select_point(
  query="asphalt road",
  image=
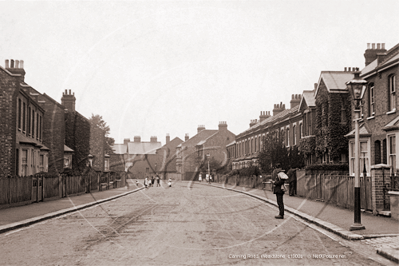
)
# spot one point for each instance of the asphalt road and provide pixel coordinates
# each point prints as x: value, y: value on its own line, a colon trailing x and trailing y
x: 182, y: 225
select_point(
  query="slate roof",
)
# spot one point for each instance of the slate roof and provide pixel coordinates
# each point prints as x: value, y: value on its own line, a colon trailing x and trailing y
x: 143, y: 147
x: 393, y: 125
x: 119, y: 148
x: 362, y: 131
x: 272, y: 119
x: 309, y: 98
x: 392, y: 57
x: 201, y: 136
x: 335, y: 80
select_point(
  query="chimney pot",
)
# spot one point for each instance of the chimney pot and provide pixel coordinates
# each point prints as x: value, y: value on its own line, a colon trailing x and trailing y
x: 383, y: 45
x: 378, y: 45
x: 70, y: 92
x: 12, y: 63
x: 345, y: 69
x: 21, y: 63
x: 368, y: 45
x: 7, y: 66
x: 373, y: 46
x: 16, y: 63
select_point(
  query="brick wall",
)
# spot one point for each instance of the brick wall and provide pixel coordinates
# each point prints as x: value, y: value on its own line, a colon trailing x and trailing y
x: 53, y: 132
x: 377, y: 190
x: 9, y: 89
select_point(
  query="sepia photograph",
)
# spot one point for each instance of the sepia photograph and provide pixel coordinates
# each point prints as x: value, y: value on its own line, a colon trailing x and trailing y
x: 198, y: 132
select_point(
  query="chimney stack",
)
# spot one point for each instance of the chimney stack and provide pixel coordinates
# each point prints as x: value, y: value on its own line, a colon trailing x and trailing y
x: 167, y: 138
x: 200, y: 128
x: 253, y: 122
x: 186, y: 137
x: 371, y: 54
x: 137, y: 139
x: 278, y: 108
x: 68, y: 101
x: 264, y: 115
x: 126, y: 141
x: 222, y: 125
x: 315, y: 86
x: 18, y: 68
x: 295, y: 100
x: 153, y: 139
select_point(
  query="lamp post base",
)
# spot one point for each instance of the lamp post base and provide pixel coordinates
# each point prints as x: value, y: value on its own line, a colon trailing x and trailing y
x: 356, y: 226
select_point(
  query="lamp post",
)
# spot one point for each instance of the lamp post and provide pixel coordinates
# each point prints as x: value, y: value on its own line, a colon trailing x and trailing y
x: 357, y: 88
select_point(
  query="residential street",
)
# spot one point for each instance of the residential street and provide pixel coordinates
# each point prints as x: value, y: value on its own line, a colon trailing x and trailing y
x: 182, y: 225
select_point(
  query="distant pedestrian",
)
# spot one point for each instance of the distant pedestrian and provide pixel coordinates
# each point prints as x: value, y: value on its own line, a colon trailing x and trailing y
x: 207, y: 178
x: 146, y: 184
x: 152, y: 181
x: 170, y: 182
x: 292, y: 181
x: 278, y: 182
x: 200, y: 178
x: 158, y: 179
x: 137, y: 182
x: 210, y: 178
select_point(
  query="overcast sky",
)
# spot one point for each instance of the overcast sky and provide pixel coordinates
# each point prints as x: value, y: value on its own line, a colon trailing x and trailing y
x: 155, y: 67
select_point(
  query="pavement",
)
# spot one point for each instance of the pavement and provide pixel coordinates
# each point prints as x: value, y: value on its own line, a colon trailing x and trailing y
x: 380, y: 232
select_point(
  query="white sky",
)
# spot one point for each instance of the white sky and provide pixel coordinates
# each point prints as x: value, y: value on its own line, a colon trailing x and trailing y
x: 155, y: 67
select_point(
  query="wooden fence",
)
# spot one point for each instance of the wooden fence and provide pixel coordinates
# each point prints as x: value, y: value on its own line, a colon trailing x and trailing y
x: 337, y: 189
x: 24, y: 190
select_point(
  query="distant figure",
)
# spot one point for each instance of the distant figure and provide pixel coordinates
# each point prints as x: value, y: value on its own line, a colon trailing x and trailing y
x: 146, y: 182
x: 207, y: 178
x: 170, y: 182
x: 158, y: 179
x: 137, y: 182
x: 152, y: 181
x: 200, y: 178
x: 210, y: 178
x: 292, y: 181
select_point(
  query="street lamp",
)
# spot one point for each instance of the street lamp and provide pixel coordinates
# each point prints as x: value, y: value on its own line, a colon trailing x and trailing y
x: 357, y: 88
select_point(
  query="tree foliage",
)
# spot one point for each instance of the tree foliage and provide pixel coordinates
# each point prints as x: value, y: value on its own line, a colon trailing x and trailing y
x: 274, y: 152
x: 98, y: 120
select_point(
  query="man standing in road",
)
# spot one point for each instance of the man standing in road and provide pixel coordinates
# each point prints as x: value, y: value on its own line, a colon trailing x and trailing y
x: 277, y: 183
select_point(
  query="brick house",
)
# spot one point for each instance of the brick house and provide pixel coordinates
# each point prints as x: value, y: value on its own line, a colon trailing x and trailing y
x: 205, y: 144
x: 333, y: 116
x: 284, y: 123
x: 137, y: 157
x: 22, y: 149
x: 379, y: 124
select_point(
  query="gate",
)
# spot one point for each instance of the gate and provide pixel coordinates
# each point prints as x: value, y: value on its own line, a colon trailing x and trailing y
x: 365, y: 193
x: 37, y: 188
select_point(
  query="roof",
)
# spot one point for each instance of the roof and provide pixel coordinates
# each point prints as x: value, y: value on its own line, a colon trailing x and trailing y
x: 335, y: 80
x: 201, y: 136
x: 309, y: 98
x: 143, y: 147
x: 272, y: 119
x: 362, y: 131
x: 67, y: 149
x: 393, y: 125
x: 119, y: 148
x: 391, y: 58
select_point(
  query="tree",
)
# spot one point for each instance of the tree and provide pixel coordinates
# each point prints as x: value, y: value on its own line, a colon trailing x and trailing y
x: 97, y: 120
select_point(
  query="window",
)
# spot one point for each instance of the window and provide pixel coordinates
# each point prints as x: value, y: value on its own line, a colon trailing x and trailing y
x: 37, y: 125
x: 24, y: 163
x: 294, y: 135
x: 19, y: 114
x: 68, y: 161
x: 41, y: 163
x: 300, y: 130
x: 24, y: 117
x: 287, y: 136
x: 377, y: 152
x: 33, y: 123
x: 309, y: 124
x: 364, y: 158
x: 392, y: 153
x: 106, y: 164
x: 392, y: 90
x: 29, y: 121
x: 371, y: 100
